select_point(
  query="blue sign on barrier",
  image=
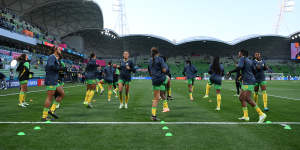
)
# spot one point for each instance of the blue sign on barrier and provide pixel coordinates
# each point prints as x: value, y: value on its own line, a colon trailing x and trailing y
x: 141, y: 78
x: 33, y: 82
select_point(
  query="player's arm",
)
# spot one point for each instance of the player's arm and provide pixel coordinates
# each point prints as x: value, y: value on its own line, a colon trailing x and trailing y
x: 184, y: 70
x: 239, y: 67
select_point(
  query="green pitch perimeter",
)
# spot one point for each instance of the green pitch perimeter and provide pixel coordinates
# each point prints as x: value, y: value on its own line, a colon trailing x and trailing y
x: 194, y: 125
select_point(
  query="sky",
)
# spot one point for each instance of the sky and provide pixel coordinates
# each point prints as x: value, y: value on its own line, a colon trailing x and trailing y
x: 226, y: 20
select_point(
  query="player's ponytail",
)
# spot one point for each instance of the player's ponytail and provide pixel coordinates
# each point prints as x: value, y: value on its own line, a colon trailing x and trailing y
x: 92, y: 55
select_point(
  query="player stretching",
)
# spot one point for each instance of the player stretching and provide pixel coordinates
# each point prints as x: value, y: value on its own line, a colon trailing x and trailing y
x: 116, y: 79
x: 24, y: 73
x: 260, y: 80
x: 168, y: 86
x: 157, y: 70
x: 190, y: 73
x: 91, y: 76
x: 216, y: 71
x: 108, y: 72
x: 248, y: 79
x: 126, y: 68
x: 51, y: 81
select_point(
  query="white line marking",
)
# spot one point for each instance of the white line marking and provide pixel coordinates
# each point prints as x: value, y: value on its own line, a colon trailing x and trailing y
x: 149, y: 123
x: 37, y: 91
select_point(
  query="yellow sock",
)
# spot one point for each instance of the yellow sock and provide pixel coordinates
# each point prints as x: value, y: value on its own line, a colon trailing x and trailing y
x: 126, y: 99
x: 255, y: 96
x: 21, y: 96
x: 265, y: 98
x: 24, y: 97
x: 153, y: 111
x: 258, y: 110
x: 192, y: 88
x: 219, y: 100
x: 191, y: 95
x: 53, y: 107
x: 121, y: 98
x: 245, y: 110
x: 97, y: 89
x: 101, y: 87
x: 91, y: 95
x: 169, y: 92
x: 165, y: 105
x: 207, y: 89
x: 86, y: 96
x: 45, y: 113
x: 109, y: 94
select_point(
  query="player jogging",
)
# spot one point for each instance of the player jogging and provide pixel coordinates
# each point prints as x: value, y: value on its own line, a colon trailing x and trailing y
x: 116, y: 79
x: 248, y: 82
x: 108, y: 72
x: 190, y: 72
x: 260, y: 66
x: 126, y: 68
x: 91, y: 76
x: 216, y: 71
x: 168, y: 86
x: 51, y: 81
x: 157, y: 69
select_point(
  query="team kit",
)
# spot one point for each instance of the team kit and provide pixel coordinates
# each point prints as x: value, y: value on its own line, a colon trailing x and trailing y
x: 250, y: 78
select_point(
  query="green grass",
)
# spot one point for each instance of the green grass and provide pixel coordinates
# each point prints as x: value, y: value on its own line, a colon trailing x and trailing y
x: 58, y: 136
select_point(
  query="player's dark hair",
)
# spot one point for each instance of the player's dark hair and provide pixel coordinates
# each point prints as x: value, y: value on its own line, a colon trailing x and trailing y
x: 154, y: 51
x: 92, y: 55
x: 216, y: 65
x: 188, y: 62
x: 244, y: 53
x: 22, y: 57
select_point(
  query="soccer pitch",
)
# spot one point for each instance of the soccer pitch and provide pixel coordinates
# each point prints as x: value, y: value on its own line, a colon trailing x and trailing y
x: 194, y: 125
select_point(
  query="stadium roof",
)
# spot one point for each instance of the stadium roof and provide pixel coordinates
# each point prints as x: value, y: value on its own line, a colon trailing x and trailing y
x: 58, y: 17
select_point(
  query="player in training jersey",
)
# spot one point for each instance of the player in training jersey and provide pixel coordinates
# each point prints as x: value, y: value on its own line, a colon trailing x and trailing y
x: 98, y: 80
x: 190, y: 72
x: 168, y: 86
x: 157, y: 69
x: 126, y: 68
x: 91, y: 76
x: 238, y: 84
x: 51, y: 81
x: 108, y: 73
x: 24, y: 75
x: 61, y: 83
x: 116, y: 79
x: 260, y: 66
x: 216, y: 71
x: 248, y: 79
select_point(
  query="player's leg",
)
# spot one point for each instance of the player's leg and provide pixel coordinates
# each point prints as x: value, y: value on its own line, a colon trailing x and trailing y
x: 208, y: 85
x: 87, y: 93
x: 190, y: 89
x: 121, y: 83
x: 156, y: 94
x: 60, y: 95
x: 163, y: 95
x: 265, y: 95
x: 237, y: 85
x: 22, y: 94
x: 169, y: 90
x: 218, y: 92
x: 127, y: 87
x: 243, y: 101
x: 48, y: 101
x: 92, y: 88
x: 109, y: 93
x: 100, y: 85
x: 248, y: 90
x: 255, y: 94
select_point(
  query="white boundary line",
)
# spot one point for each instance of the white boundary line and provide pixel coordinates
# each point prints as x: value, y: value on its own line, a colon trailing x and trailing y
x: 154, y: 123
x: 37, y: 91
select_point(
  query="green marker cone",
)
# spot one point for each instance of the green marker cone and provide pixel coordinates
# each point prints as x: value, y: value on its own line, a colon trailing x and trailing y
x: 287, y: 127
x: 37, y: 128
x: 21, y: 133
x: 169, y: 134
x: 165, y: 128
x: 268, y: 122
x: 48, y: 122
x: 162, y: 122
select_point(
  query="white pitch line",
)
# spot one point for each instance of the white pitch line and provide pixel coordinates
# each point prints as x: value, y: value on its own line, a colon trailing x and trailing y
x: 37, y: 91
x: 154, y: 123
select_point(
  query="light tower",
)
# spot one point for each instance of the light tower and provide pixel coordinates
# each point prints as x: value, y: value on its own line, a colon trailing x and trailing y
x: 285, y: 6
x: 121, y: 25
